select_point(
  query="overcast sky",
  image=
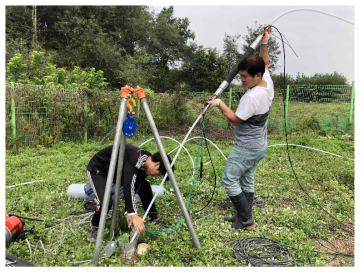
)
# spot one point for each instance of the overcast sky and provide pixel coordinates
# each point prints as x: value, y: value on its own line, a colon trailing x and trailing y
x: 323, y: 43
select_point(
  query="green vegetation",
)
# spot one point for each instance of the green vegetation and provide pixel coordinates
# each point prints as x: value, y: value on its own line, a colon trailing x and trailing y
x: 273, y: 45
x: 288, y: 217
x: 42, y: 73
x: 68, y: 64
x: 126, y: 45
x: 47, y: 114
x: 327, y: 118
x: 129, y: 44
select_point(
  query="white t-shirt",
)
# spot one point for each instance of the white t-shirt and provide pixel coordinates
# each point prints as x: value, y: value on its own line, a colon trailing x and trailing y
x: 257, y: 100
x: 253, y: 109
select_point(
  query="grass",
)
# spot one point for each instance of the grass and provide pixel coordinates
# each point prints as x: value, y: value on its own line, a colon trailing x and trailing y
x: 289, y: 216
x: 326, y: 118
x: 41, y: 128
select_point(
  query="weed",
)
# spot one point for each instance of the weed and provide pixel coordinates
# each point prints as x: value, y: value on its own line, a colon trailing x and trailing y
x: 289, y: 216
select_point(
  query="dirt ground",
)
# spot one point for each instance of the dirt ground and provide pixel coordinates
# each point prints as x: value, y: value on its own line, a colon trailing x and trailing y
x: 343, y: 245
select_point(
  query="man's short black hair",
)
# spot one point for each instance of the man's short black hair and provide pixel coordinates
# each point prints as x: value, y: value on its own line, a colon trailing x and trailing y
x: 162, y: 168
x: 253, y: 65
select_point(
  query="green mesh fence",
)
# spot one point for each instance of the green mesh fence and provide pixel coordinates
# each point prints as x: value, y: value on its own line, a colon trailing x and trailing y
x: 44, y: 114
x: 321, y: 108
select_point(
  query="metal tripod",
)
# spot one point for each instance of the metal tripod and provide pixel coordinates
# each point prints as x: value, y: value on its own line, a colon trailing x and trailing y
x: 119, y: 150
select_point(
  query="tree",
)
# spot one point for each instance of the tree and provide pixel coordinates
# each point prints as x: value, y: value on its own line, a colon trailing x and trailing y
x: 103, y: 37
x: 169, y: 37
x: 204, y: 70
x: 280, y: 81
x: 16, y: 69
x: 19, y: 30
x: 231, y: 51
x: 169, y: 45
x: 75, y: 33
x: 134, y: 70
x: 273, y: 46
x: 322, y: 79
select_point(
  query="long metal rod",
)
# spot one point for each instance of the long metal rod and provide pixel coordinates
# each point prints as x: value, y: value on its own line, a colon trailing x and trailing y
x: 110, y: 177
x: 165, y: 177
x: 170, y: 172
x: 249, y: 51
x: 118, y: 182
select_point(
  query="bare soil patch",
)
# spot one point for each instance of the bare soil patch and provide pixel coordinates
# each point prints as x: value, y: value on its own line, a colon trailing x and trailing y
x: 342, y: 245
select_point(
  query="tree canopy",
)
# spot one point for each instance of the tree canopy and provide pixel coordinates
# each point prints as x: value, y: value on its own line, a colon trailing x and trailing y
x: 273, y: 46
x: 127, y: 43
x: 122, y: 45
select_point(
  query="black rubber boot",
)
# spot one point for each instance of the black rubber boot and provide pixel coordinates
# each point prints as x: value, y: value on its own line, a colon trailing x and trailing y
x: 250, y: 197
x: 244, y: 221
x: 159, y: 223
x: 230, y: 219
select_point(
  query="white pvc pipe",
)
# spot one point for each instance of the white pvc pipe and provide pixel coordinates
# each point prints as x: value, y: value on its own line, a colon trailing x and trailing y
x: 207, y: 140
x: 25, y: 183
x: 314, y: 11
x: 311, y: 149
x: 193, y: 164
x: 211, y: 143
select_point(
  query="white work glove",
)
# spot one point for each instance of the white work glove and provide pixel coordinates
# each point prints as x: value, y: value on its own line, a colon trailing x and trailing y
x: 136, y: 222
x: 213, y: 102
x: 266, y: 32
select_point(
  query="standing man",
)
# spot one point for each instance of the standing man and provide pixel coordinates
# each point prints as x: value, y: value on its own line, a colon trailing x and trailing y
x: 250, y: 121
x: 137, y: 165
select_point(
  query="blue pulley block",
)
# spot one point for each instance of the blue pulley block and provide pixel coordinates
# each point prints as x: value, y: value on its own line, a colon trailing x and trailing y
x: 129, y: 126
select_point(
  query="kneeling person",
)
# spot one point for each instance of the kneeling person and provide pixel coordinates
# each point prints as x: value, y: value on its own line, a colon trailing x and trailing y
x: 137, y: 165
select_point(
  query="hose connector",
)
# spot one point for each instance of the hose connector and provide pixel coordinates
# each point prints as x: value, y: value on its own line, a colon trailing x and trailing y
x: 257, y: 41
x: 221, y: 88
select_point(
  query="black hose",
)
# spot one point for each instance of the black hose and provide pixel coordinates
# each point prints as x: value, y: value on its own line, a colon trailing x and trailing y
x: 235, y: 70
x: 286, y: 135
x: 259, y: 251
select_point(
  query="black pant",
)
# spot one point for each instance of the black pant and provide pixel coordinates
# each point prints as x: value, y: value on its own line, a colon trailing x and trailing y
x: 98, y: 184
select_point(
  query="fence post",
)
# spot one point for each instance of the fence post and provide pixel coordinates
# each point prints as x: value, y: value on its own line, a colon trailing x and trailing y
x: 231, y: 92
x: 352, y: 102
x: 13, y: 123
x: 138, y: 105
x: 287, y: 99
x: 86, y: 124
